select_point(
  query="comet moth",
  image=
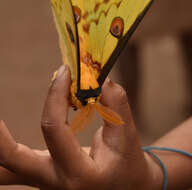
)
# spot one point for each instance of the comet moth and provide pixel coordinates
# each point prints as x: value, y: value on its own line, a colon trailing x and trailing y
x: 92, y: 34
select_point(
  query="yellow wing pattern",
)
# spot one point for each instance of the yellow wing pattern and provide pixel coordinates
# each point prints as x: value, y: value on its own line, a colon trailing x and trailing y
x: 103, y: 24
x: 92, y: 34
x: 66, y: 27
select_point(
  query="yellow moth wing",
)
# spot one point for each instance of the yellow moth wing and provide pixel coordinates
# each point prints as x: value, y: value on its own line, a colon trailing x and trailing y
x: 92, y: 34
x: 66, y: 27
x: 96, y: 20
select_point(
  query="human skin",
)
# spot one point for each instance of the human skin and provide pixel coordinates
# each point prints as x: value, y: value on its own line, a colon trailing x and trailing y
x: 114, y: 161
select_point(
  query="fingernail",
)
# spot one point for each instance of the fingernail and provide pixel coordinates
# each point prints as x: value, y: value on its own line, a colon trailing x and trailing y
x: 60, y: 71
x: 109, y: 82
x: 57, y: 74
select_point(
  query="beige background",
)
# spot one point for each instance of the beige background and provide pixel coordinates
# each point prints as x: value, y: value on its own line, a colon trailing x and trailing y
x: 29, y: 54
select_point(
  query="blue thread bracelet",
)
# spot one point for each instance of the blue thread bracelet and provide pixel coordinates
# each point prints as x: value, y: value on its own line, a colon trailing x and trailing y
x: 149, y: 149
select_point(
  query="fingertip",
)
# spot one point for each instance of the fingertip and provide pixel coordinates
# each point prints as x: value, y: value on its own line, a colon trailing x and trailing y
x: 4, y: 131
x: 63, y: 73
x: 113, y: 94
x: 2, y: 122
x: 60, y: 71
x: 3, y: 126
x: 105, y: 91
x: 62, y: 81
x: 115, y: 98
x: 107, y: 83
x: 7, y: 143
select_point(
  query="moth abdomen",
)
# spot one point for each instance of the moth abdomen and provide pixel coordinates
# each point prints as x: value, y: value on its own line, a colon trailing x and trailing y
x: 84, y: 95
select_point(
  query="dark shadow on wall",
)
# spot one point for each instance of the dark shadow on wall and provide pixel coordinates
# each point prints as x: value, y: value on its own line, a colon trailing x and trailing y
x: 186, y: 39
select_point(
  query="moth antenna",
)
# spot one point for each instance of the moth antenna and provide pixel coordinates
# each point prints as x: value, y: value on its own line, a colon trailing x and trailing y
x: 83, y: 118
x: 108, y: 115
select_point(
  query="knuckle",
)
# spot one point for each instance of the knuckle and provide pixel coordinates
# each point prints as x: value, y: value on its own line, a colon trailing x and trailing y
x: 48, y: 126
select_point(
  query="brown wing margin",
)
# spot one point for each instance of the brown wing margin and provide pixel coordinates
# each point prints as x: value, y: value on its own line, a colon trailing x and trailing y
x: 121, y: 44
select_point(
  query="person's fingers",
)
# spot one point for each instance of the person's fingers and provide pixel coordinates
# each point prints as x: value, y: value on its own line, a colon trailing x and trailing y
x: 7, y: 144
x: 20, y: 159
x: 115, y: 97
x: 121, y: 138
x: 42, y: 152
x: 57, y: 103
x: 61, y: 142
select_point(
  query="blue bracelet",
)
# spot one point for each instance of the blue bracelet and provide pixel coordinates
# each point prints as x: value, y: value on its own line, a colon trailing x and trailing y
x: 149, y: 149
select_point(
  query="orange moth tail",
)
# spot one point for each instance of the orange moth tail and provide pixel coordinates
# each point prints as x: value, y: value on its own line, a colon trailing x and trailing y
x: 108, y: 115
x: 83, y: 118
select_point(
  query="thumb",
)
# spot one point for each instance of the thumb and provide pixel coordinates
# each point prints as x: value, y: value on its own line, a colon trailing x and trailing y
x: 121, y: 138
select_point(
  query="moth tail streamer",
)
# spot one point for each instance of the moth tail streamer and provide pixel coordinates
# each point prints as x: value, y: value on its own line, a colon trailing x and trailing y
x: 108, y: 115
x: 83, y: 118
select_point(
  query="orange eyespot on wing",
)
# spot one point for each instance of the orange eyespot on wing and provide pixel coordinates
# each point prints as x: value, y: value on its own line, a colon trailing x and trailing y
x: 83, y: 118
x: 117, y: 27
x: 108, y: 115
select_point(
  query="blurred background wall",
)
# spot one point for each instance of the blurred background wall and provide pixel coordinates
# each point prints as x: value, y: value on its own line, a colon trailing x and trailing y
x: 155, y: 69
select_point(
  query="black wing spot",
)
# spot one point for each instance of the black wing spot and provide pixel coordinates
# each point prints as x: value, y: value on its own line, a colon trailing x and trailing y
x: 70, y: 32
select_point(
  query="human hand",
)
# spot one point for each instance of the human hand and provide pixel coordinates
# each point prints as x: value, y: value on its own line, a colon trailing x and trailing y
x: 115, y: 160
